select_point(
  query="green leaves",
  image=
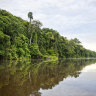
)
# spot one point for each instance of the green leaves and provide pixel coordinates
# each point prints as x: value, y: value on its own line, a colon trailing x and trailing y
x: 30, y: 15
x: 35, y: 53
x: 20, y: 52
x: 23, y: 39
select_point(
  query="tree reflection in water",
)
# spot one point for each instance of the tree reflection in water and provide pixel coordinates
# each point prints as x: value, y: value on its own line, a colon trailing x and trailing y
x: 25, y: 78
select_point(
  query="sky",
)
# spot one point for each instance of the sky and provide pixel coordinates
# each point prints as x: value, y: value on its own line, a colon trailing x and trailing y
x: 71, y: 18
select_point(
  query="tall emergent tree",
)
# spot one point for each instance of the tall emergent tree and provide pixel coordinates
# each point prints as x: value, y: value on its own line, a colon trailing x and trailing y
x: 36, y: 25
x: 30, y: 16
x: 35, y: 52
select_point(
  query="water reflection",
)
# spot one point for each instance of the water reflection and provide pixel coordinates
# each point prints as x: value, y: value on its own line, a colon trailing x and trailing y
x: 90, y: 68
x: 25, y: 78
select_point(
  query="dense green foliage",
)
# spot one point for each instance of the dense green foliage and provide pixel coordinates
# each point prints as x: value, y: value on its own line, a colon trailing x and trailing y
x: 23, y: 39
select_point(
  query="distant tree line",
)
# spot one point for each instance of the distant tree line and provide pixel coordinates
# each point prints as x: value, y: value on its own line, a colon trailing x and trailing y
x: 23, y: 39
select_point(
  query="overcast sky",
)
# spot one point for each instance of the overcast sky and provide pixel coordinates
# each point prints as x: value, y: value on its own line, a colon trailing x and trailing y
x: 71, y: 18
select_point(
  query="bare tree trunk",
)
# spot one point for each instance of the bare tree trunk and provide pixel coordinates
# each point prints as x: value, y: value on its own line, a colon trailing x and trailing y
x: 30, y: 39
x: 29, y: 29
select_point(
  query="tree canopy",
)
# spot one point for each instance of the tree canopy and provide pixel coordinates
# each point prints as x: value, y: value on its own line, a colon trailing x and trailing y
x: 23, y: 39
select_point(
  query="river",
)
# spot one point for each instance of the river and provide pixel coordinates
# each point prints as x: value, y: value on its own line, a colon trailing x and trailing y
x: 68, y: 77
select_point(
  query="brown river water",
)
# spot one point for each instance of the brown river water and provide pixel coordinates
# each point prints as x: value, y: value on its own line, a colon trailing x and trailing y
x: 68, y: 77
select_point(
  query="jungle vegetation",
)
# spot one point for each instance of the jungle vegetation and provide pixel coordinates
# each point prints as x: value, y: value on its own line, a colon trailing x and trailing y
x: 26, y: 39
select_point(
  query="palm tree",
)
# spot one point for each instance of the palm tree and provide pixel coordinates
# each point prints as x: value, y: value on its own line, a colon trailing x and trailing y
x: 30, y: 16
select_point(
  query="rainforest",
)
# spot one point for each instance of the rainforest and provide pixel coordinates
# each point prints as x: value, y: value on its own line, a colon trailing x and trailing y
x: 21, y: 39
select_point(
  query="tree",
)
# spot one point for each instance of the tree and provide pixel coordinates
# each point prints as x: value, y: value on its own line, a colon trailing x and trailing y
x: 36, y: 25
x: 30, y: 16
x: 23, y: 39
x: 35, y: 52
